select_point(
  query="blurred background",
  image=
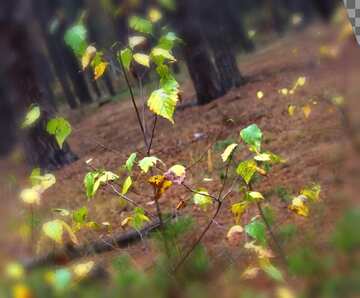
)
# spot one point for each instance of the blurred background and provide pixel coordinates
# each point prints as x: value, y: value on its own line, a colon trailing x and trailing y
x: 290, y: 66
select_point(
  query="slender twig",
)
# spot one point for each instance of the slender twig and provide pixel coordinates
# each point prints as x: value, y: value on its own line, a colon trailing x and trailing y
x: 200, y: 193
x: 152, y: 135
x: 134, y: 102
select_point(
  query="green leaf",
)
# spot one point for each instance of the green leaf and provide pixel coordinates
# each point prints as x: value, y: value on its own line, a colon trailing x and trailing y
x: 60, y: 128
x: 142, y: 59
x: 252, y: 136
x: 148, y: 162
x: 158, y: 55
x: 89, y: 182
x: 141, y: 25
x: 246, y: 170
x: 45, y: 181
x: 256, y: 229
x: 202, y: 198
x: 126, y: 186
x: 228, y: 151
x: 54, y: 230
x: 163, y: 101
x: 168, y: 4
x: 129, y: 164
x: 167, y: 41
x: 80, y: 215
x: 126, y: 58
x: 76, y: 38
x: 36, y: 172
x: 139, y: 218
x: 31, y: 116
x: 271, y: 270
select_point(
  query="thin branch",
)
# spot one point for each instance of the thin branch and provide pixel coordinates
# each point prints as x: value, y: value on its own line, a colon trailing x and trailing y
x: 199, y: 193
x: 152, y: 135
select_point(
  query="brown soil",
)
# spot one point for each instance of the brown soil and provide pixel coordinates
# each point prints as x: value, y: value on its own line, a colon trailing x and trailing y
x: 317, y: 149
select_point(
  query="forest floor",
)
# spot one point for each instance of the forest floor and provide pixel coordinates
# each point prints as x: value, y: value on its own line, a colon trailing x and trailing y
x: 317, y: 148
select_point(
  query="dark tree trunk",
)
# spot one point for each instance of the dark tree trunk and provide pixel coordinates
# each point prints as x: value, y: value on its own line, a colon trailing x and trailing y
x: 201, y: 69
x: 326, y: 8
x: 22, y: 84
x: 7, y: 120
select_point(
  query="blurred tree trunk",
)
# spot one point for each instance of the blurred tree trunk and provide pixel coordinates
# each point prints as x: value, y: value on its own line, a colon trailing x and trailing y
x: 22, y: 84
x: 201, y: 69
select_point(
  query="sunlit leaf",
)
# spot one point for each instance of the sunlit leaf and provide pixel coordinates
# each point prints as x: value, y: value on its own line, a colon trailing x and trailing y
x: 89, y: 182
x: 14, y: 271
x: 250, y: 272
x: 254, y: 196
x: 202, y: 198
x: 142, y: 59
x: 44, y: 182
x: 259, y: 94
x: 306, y: 110
x: 82, y: 270
x: 126, y: 186
x: 54, y: 230
x: 162, y: 102
x: 262, y: 157
x: 31, y: 116
x: 30, y: 196
x: 60, y: 128
x: 284, y: 91
x: 228, y: 151
x: 312, y: 192
x: 176, y: 174
x: 256, y: 229
x: 260, y: 251
x: 141, y: 25
x: 238, y: 210
x: 129, y: 164
x: 154, y: 15
x: 89, y: 54
x: 134, y: 41
x: 284, y: 292
x: 159, y: 55
x: 252, y: 136
x: 167, y: 41
x: 246, y: 170
x: 100, y: 70
x: 291, y: 110
x: 299, y: 206
x: 148, y: 162
x: 234, y: 235
x: 126, y: 57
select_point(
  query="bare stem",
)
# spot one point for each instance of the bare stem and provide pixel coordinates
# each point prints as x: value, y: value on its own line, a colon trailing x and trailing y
x: 134, y: 103
x: 152, y: 135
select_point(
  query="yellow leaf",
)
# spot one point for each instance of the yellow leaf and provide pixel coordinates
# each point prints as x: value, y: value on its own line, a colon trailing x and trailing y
x: 250, y: 272
x: 260, y: 251
x: 154, y: 15
x: 21, y: 291
x: 307, y: 111
x: 284, y: 91
x: 100, y: 70
x: 15, y: 271
x: 126, y: 222
x: 312, y: 193
x: 142, y: 59
x: 30, y: 196
x: 126, y: 186
x: 301, y: 81
x: 89, y: 54
x: 238, y: 210
x: 284, y: 292
x: 176, y: 174
x: 228, y: 151
x: 338, y: 100
x: 260, y: 94
x: 299, y: 206
x: 291, y: 110
x: 82, y: 270
x: 178, y: 170
x: 234, y: 234
x: 160, y: 184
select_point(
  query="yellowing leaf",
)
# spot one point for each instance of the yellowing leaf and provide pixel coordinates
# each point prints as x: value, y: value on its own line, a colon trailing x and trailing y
x: 89, y: 54
x: 159, y: 54
x: 20, y: 290
x: 100, y: 70
x: 160, y: 184
x: 284, y: 292
x: 134, y: 41
x: 250, y: 273
x: 338, y: 100
x: 307, y: 111
x: 44, y: 182
x: 234, y: 235
x: 148, y: 162
x: 299, y: 206
x: 238, y: 210
x: 312, y: 193
x: 291, y: 110
x: 260, y: 94
x: 259, y: 250
x: 15, y: 271
x: 126, y: 221
x: 30, y: 196
x: 142, y: 59
x: 284, y: 91
x: 202, y: 198
x: 162, y: 102
x: 31, y: 116
x: 54, y: 230
x: 301, y: 81
x: 176, y: 174
x: 82, y: 270
x: 154, y: 15
x: 126, y: 186
x: 246, y: 170
x: 263, y: 157
x: 228, y: 151
x: 254, y: 196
